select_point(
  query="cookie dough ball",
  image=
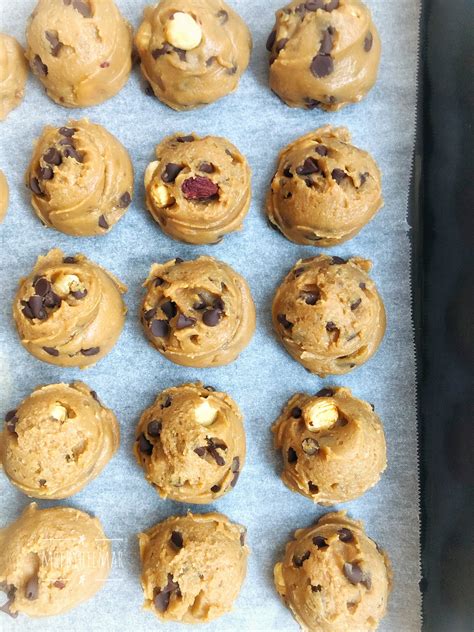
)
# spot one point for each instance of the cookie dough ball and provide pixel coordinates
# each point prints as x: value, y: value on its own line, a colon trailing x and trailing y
x: 333, y: 577
x: 192, y: 567
x: 45, y: 560
x: 197, y: 313
x: 323, y: 53
x: 192, y: 52
x: 198, y: 189
x: 328, y: 314
x: 80, y: 50
x: 332, y: 444
x: 13, y: 74
x: 69, y: 311
x: 191, y: 443
x: 4, y: 196
x: 81, y: 179
x: 58, y: 440
x: 324, y: 190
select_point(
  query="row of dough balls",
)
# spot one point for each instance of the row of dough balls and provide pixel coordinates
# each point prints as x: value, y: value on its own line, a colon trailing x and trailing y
x: 199, y: 189
x: 327, y: 312
x: 323, y: 53
x: 332, y: 576
x: 191, y: 443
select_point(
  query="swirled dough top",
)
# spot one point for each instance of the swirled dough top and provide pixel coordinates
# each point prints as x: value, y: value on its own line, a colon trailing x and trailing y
x: 332, y: 445
x: 4, y: 196
x: 198, y: 313
x: 58, y: 440
x: 323, y: 53
x: 198, y: 189
x: 80, y: 177
x: 193, y: 567
x: 81, y: 50
x: 69, y: 311
x: 334, y: 578
x: 325, y: 189
x: 191, y: 443
x: 328, y: 314
x: 192, y: 52
x: 45, y: 560
x: 13, y: 74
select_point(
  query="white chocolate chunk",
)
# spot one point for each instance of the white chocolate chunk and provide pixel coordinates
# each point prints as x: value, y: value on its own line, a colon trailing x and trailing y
x: 320, y: 415
x: 182, y: 31
x: 205, y: 414
x: 58, y: 412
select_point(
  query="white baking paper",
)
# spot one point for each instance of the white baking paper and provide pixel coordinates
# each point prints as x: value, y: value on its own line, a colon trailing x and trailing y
x: 264, y: 376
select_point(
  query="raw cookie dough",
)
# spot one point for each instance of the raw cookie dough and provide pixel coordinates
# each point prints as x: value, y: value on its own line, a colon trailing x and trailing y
x: 58, y: 440
x: 69, y: 311
x: 197, y: 313
x: 81, y: 50
x: 51, y: 560
x: 192, y: 52
x: 192, y: 567
x: 323, y: 53
x: 81, y: 178
x: 334, y: 578
x: 328, y: 314
x: 4, y: 196
x: 191, y: 443
x: 13, y: 74
x: 198, y: 189
x: 325, y: 189
x: 332, y: 444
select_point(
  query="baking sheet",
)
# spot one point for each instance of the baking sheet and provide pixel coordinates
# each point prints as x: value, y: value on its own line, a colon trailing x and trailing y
x: 264, y: 376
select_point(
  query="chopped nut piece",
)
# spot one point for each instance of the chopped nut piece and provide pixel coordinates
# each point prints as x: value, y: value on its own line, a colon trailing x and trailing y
x: 278, y: 574
x: 182, y: 31
x: 64, y: 284
x: 205, y: 413
x: 59, y: 412
x: 320, y: 415
x: 160, y: 195
x: 149, y: 171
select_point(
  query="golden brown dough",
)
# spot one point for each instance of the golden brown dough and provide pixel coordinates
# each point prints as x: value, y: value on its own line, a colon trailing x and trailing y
x: 334, y: 578
x: 323, y: 53
x: 13, y: 74
x: 197, y: 313
x: 81, y: 178
x: 198, y: 189
x: 58, y: 440
x: 80, y: 50
x: 193, y: 567
x: 191, y: 443
x: 51, y: 560
x: 328, y: 314
x: 69, y: 311
x: 192, y: 52
x: 332, y: 444
x: 324, y: 190
x: 4, y: 196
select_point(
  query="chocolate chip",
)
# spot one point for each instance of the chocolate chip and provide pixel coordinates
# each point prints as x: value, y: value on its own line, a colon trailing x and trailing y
x: 338, y: 175
x: 42, y: 482
x: 356, y: 575
x: 311, y: 104
x: 356, y: 304
x: 83, y: 8
x: 211, y: 317
x: 322, y: 65
x: 67, y: 131
x: 45, y: 173
x: 95, y: 396
x: 210, y: 61
x: 159, y: 281
x: 70, y: 152
x: 330, y: 326
x: 56, y: 45
x: 292, y: 456
x: 325, y: 392
x: 284, y: 322
x: 167, y: 402
x: 317, y: 588
x: 242, y: 538
x: 271, y: 40
x: 206, y: 167
x: 51, y: 299
x: 314, y: 5
x: 314, y: 489
x: 321, y: 150
x: 309, y: 167
x: 162, y: 596
x: 363, y: 178
x: 210, y: 389
x: 296, y: 412
x: 35, y: 303
x: 159, y: 328
x: 41, y: 69
x: 235, y: 467
x: 345, y: 535
x: 368, y: 41
x: 158, y: 52
x: 310, y: 446
x: 298, y: 560
x: 35, y: 187
x: 154, y: 428
x: 59, y: 584
x: 201, y: 452
x: 212, y: 446
x: 280, y: 45
x: 52, y: 156
x: 125, y: 200
x: 178, y: 260
x: 332, y: 5
x: 223, y: 16
x: 215, y: 489
x: 320, y: 542
x: 171, y: 172
x: 11, y: 420
x: 311, y: 298
x: 79, y: 295
x: 338, y: 261
x: 235, y: 478
x: 42, y: 286
x: 327, y: 42
x: 298, y: 272
x: 177, y: 539
x: 104, y: 64
x: 169, y: 309
x: 200, y: 189
x: 92, y: 351
x: 219, y: 304
x: 184, y: 322
x: 287, y: 172
x: 144, y: 446
x: 186, y: 139
x: 32, y: 588
x: 103, y: 222
x: 51, y: 351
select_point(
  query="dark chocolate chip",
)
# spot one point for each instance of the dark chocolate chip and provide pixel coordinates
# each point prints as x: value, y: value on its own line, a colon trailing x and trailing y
x: 158, y: 52
x: 52, y: 156
x: 314, y: 5
x: 59, y: 584
x: 56, y: 45
x: 35, y: 187
x: 125, y: 200
x: 321, y: 150
x: 322, y: 65
x: 184, y: 322
x: 292, y: 456
x: 325, y: 392
x: 177, y: 539
x: 159, y: 281
x: 215, y: 489
x: 363, y: 178
x: 314, y: 489
x: 11, y: 420
x: 287, y: 172
x: 296, y: 412
x: 103, y: 222
x: 309, y: 167
x: 311, y: 298
x: 330, y: 326
x: 298, y: 272
x: 368, y: 41
x: 144, y: 445
x: 104, y: 64
x: 210, y: 61
x: 95, y: 396
x: 52, y: 300
x: 42, y: 482
x: 211, y: 389
x: 83, y: 8
x: 79, y: 294
x: 51, y: 351
x: 337, y: 261
x: 223, y: 16
x: 41, y: 69
x: 45, y: 173
x: 242, y: 538
x: 162, y: 596
x: 311, y: 104
x: 356, y: 304
x: 271, y: 40
x: 35, y: 303
x: 169, y: 309
x: 317, y: 588
x: 320, y: 542
x: 92, y: 351
x: 338, y: 175
x: 67, y: 131
x: 345, y: 535
x: 71, y: 152
x: 356, y: 575
x: 178, y: 260
x: 159, y: 328
x: 186, y: 139
x: 206, y: 167
x: 284, y: 322
x: 201, y: 452
x: 211, y: 317
x: 154, y: 428
x: 42, y: 286
x: 332, y: 5
x: 32, y: 588
x: 298, y: 560
x: 171, y: 172
x: 219, y: 304
x: 280, y: 45
x: 327, y: 41
x: 167, y: 402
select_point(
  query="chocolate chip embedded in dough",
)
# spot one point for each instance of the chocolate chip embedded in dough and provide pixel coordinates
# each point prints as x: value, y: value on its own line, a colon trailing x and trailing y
x: 154, y: 428
x: 51, y: 351
x: 311, y: 298
x: 67, y: 131
x: 159, y: 328
x: 83, y: 8
x: 223, y: 16
x: 42, y: 286
x: 355, y: 574
x: 296, y: 412
x: 206, y: 167
x: 299, y: 560
x: 162, y: 596
x: 345, y: 535
x: 325, y: 392
x: 271, y: 40
x: 184, y: 322
x: 338, y: 175
x: 186, y: 139
x: 322, y: 65
x: 368, y: 41
x: 314, y: 489
x: 56, y: 45
x: 170, y: 309
x: 177, y: 539
x: 52, y: 156
x: 309, y: 167
x: 144, y: 446
x: 35, y: 303
x: 331, y: 5
x: 338, y: 261
x: 171, y: 172
x: 125, y: 200
x: 91, y: 351
x: 103, y: 223
x: 320, y: 542
x: 71, y: 152
x: 158, y: 52
x: 356, y: 304
x: 291, y: 455
x: 167, y: 402
x: 327, y: 42
x: 45, y: 173
x: 34, y: 186
x: 39, y: 66
x: 211, y: 317
x: 284, y: 322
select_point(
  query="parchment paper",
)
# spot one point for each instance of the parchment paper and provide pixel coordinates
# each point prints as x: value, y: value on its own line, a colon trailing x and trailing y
x: 264, y: 377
